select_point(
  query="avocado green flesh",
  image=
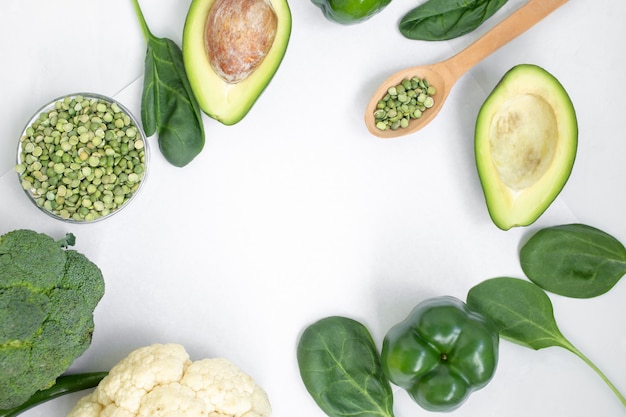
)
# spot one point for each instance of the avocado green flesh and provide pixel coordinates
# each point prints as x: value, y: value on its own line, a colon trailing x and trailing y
x: 224, y: 100
x: 525, y: 144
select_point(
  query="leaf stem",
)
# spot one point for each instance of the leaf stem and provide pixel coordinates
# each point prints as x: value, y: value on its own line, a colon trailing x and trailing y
x: 142, y: 21
x: 578, y: 353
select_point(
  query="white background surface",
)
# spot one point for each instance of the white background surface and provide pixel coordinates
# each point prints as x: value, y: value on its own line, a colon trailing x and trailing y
x: 297, y: 213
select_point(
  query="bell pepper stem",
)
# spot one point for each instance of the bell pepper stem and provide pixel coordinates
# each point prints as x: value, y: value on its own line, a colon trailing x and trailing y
x: 64, y: 384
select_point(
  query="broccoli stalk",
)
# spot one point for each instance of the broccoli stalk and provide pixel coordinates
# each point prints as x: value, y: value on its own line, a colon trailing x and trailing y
x: 65, y: 384
x: 68, y: 240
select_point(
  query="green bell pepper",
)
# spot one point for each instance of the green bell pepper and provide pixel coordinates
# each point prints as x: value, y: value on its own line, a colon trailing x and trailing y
x: 441, y: 353
x: 349, y: 12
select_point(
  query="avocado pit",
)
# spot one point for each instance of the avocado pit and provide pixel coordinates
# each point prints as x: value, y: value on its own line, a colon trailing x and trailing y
x: 238, y: 36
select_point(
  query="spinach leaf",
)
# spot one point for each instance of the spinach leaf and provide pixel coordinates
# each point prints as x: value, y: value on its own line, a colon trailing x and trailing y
x: 437, y: 20
x: 574, y: 260
x: 340, y: 367
x: 523, y: 313
x: 168, y: 105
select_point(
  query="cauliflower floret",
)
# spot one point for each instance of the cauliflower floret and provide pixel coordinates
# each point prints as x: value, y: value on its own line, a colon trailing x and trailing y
x: 231, y: 391
x: 161, y: 381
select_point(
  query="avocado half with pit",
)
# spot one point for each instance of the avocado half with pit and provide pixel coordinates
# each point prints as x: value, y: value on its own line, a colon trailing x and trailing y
x: 525, y: 145
x: 231, y: 51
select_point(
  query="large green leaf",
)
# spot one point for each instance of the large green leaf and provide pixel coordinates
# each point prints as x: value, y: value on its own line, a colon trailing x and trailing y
x: 437, y: 20
x: 521, y: 311
x: 574, y: 260
x: 340, y: 367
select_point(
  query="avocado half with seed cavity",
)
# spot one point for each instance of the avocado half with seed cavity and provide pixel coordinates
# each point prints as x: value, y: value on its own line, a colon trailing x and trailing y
x: 231, y: 50
x: 525, y: 145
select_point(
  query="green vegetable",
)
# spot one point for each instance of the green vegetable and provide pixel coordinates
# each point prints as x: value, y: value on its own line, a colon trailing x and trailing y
x: 441, y: 353
x: 82, y: 159
x: 404, y: 102
x: 523, y: 313
x: 168, y: 103
x: 340, y: 367
x: 65, y: 384
x: 518, y: 187
x: 574, y: 260
x: 232, y: 50
x: 47, y: 298
x: 348, y: 12
x: 437, y: 20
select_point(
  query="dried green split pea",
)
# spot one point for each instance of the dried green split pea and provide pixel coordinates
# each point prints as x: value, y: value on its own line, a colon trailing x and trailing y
x: 83, y: 159
x: 403, y: 102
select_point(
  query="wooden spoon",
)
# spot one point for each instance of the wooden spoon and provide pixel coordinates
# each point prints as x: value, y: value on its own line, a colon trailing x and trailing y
x: 443, y: 75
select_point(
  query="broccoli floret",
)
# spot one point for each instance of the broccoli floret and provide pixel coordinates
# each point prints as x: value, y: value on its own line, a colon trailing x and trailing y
x: 48, y: 294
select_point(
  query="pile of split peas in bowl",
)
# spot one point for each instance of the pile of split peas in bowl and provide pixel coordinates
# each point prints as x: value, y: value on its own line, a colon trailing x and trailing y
x: 82, y: 157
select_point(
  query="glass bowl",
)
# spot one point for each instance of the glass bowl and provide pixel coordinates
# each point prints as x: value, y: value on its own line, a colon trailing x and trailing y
x: 82, y: 158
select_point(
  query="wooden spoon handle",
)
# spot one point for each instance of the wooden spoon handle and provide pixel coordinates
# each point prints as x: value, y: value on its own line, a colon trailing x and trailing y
x: 514, y: 25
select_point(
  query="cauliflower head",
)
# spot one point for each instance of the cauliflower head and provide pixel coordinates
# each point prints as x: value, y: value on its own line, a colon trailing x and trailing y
x: 160, y: 380
x: 47, y: 298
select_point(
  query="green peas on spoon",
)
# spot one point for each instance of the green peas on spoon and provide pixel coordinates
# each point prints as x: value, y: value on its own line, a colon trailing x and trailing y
x: 443, y: 75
